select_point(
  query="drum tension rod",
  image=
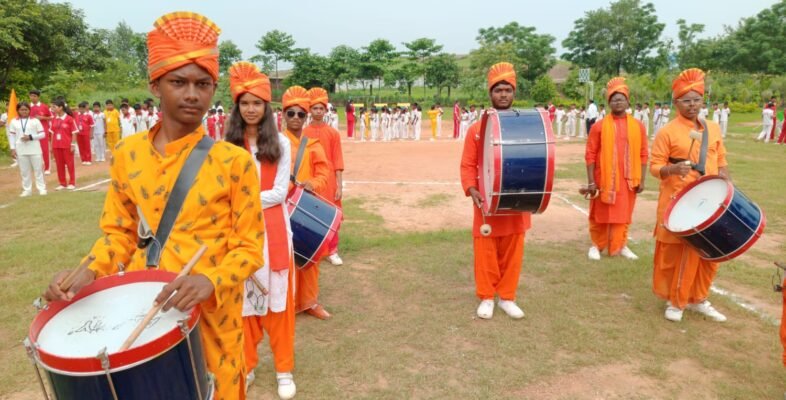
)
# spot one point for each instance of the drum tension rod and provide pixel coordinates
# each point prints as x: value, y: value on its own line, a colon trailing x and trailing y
x: 104, y: 358
x: 777, y: 279
x: 33, y: 355
x: 183, y: 324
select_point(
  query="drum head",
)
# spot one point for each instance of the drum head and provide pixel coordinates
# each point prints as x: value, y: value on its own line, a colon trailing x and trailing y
x: 489, y: 160
x: 696, y: 204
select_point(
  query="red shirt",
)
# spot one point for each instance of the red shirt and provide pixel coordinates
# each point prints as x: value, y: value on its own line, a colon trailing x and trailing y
x: 221, y: 119
x: 41, y: 109
x: 552, y: 112
x: 211, y: 126
x: 63, y: 130
x: 85, y: 123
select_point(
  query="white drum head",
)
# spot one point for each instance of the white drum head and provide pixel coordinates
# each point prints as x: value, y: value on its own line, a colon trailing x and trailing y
x: 105, y: 319
x: 487, y: 175
x: 697, y: 205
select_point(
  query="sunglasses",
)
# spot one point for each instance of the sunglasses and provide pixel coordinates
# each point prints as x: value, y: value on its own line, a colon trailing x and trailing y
x: 292, y: 113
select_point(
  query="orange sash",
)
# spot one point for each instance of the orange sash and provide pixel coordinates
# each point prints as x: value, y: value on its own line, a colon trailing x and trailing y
x: 609, y: 181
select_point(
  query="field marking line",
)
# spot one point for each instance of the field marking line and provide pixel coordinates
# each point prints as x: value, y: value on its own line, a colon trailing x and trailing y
x: 79, y: 189
x: 446, y: 183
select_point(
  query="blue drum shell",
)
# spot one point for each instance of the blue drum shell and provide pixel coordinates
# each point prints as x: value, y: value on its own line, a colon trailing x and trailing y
x: 309, y: 233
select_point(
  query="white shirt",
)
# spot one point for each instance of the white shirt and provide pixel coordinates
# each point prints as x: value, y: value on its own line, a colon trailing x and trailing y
x: 19, y: 128
x: 724, y: 117
x: 766, y: 115
x: 645, y: 114
x: 592, y: 111
x: 716, y: 115
x: 637, y: 115
x: 126, y: 126
x: 99, y: 125
x: 559, y: 115
x: 703, y: 113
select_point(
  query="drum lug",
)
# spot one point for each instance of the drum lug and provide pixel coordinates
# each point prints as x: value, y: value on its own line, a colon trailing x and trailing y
x: 183, y: 324
x: 103, y: 356
x: 32, y: 353
x: 40, y: 304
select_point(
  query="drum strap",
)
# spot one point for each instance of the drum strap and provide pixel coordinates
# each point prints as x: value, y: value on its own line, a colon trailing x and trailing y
x: 703, y: 152
x: 155, y: 244
x: 299, y: 158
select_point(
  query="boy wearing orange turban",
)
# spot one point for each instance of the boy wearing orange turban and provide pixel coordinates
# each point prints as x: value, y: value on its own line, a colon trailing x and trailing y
x: 313, y: 173
x: 497, y: 256
x: 615, y: 153
x: 680, y: 276
x: 330, y: 139
x: 222, y: 207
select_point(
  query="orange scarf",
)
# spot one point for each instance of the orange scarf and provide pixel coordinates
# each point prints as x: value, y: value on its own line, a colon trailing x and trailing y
x: 609, y: 181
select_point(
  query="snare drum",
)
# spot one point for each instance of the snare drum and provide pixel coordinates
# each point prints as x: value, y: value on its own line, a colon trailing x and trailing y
x: 516, y: 161
x: 77, y: 342
x: 314, y: 223
x: 715, y: 218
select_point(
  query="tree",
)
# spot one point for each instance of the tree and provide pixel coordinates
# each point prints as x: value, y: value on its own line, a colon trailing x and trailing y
x: 534, y: 54
x: 228, y: 54
x: 405, y: 76
x: 276, y: 45
x: 626, y: 36
x: 310, y: 70
x: 343, y: 65
x: 442, y: 70
x: 757, y: 44
x: 376, y: 58
x: 420, y: 50
x: 544, y: 89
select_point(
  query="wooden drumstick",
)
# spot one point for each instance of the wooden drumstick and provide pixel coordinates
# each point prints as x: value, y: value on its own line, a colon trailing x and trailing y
x: 258, y: 285
x: 155, y: 309
x: 71, y: 277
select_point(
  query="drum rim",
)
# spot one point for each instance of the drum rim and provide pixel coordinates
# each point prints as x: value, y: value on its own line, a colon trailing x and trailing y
x: 496, y: 181
x: 550, y: 161
x: 709, y: 221
x: 293, y: 201
x: 86, y: 366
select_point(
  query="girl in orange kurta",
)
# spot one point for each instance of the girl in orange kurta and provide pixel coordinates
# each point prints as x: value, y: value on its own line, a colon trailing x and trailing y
x: 268, y: 304
x: 680, y: 276
x: 313, y: 173
x: 611, y: 211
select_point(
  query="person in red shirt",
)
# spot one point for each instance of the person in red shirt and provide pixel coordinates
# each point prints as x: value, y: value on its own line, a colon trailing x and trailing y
x: 41, y: 112
x: 498, y: 255
x: 220, y: 121
x: 552, y: 112
x: 456, y: 119
x: 350, y: 119
x: 211, y: 122
x: 85, y: 123
x: 64, y: 133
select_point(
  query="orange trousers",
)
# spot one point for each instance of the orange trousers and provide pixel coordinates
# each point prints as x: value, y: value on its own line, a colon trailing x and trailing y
x: 680, y: 275
x: 307, y: 284
x: 280, y: 327
x: 498, y: 266
x: 611, y: 236
x: 783, y: 322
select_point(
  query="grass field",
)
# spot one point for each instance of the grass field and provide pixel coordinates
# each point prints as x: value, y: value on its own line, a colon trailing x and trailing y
x: 404, y: 304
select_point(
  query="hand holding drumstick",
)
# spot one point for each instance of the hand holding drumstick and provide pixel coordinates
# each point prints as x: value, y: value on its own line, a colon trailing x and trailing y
x: 66, y: 284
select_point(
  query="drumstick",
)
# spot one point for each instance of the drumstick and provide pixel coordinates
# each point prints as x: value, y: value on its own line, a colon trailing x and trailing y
x: 69, y: 279
x: 258, y: 284
x: 155, y: 309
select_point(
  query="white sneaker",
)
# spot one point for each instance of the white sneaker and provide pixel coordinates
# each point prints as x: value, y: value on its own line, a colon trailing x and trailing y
x: 510, y: 308
x: 707, y: 309
x: 47, y: 172
x: 42, y: 193
x: 60, y: 187
x: 593, y: 254
x: 25, y: 194
x: 673, y: 314
x: 335, y: 259
x: 486, y: 309
x: 88, y: 163
x: 15, y: 163
x: 286, y: 385
x: 70, y: 187
x: 627, y: 253
x: 249, y: 380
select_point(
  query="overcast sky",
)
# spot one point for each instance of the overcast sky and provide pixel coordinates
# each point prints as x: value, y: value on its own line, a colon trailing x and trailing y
x: 322, y: 25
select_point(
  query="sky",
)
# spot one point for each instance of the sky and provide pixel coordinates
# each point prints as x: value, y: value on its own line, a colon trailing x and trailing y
x: 322, y: 25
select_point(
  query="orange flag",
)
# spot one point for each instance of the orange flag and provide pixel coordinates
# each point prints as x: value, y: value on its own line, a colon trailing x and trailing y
x: 12, y: 101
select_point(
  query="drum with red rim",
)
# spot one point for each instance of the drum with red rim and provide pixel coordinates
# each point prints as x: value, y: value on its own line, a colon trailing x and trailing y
x: 516, y: 161
x: 314, y: 223
x: 77, y: 343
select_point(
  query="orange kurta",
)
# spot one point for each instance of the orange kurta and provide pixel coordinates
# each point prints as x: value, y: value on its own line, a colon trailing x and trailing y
x: 222, y: 209
x: 609, y: 222
x: 783, y: 323
x: 497, y: 256
x: 330, y: 140
x: 314, y: 168
x: 680, y: 275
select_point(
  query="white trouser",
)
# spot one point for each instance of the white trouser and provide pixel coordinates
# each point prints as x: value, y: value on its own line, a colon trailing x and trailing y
x: 417, y: 131
x: 646, y: 123
x: 439, y: 126
x: 582, y: 128
x: 724, y: 125
x: 571, y: 127
x: 559, y: 128
x: 363, y: 132
x: 32, y: 163
x: 765, y: 132
x: 99, y: 146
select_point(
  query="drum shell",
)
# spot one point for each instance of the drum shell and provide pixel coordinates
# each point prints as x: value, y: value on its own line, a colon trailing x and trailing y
x: 314, y: 223
x: 523, y: 151
x: 734, y: 228
x: 167, y: 376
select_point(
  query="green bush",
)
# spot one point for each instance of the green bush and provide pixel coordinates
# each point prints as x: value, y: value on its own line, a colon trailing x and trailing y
x: 742, y: 108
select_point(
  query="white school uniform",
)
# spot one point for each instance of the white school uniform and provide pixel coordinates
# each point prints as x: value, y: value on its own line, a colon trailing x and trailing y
x: 559, y: 116
x: 645, y: 119
x: 28, y: 154
x: 416, y: 122
x: 766, y: 124
x: 126, y: 126
x: 724, y: 120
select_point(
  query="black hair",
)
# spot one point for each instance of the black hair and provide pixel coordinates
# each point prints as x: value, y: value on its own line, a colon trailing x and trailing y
x: 137, y: 106
x: 96, y: 103
x: 35, y: 92
x: 211, y: 111
x: 83, y: 104
x: 22, y: 104
x: 124, y: 105
x: 59, y: 102
x: 268, y: 148
x: 110, y: 102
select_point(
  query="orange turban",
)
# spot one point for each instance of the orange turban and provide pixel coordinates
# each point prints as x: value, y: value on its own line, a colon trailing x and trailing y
x: 296, y: 96
x: 181, y: 38
x: 245, y: 77
x: 502, y: 72
x: 318, y: 96
x: 690, y: 79
x: 617, y: 85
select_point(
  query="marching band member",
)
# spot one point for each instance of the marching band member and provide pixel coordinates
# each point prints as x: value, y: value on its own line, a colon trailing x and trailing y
x: 222, y: 206
x: 497, y: 256
x: 681, y: 276
x: 253, y: 127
